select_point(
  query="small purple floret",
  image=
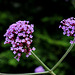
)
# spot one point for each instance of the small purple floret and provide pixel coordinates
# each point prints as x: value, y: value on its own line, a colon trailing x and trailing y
x: 39, y: 69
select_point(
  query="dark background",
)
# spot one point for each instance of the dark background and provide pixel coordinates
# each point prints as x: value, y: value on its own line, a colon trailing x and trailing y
x: 48, y: 39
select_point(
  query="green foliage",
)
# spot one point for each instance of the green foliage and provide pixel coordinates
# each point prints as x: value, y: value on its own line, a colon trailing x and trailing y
x: 73, y: 2
x: 48, y: 39
x: 52, y: 19
x: 4, y: 17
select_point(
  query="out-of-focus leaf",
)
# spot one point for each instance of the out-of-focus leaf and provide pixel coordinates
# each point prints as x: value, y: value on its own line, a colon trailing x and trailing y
x: 13, y: 62
x: 52, y: 19
x: 8, y: 58
x: 73, y: 2
x: 48, y: 39
x: 4, y: 17
x: 5, y: 45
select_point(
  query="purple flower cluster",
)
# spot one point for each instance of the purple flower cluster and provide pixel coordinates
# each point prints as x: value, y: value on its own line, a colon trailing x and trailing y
x: 39, y: 69
x: 20, y: 36
x: 68, y: 26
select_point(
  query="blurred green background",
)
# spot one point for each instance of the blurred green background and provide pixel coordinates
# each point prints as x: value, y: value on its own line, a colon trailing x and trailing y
x: 48, y: 39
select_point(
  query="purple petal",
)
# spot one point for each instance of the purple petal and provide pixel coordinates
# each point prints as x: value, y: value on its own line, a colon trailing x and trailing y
x: 39, y: 69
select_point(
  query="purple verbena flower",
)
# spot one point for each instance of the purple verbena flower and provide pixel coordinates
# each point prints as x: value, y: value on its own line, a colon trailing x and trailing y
x: 20, y: 36
x: 39, y: 69
x: 68, y: 26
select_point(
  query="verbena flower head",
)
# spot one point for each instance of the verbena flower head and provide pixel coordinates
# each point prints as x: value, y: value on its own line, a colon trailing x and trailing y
x: 68, y: 26
x: 39, y: 69
x: 20, y: 36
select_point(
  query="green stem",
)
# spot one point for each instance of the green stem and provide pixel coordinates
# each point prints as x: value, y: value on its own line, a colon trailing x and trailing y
x: 51, y: 72
x: 37, y: 73
x: 62, y: 58
x: 26, y: 73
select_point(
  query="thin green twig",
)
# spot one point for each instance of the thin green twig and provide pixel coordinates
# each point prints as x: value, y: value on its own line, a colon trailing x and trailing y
x: 27, y: 73
x: 62, y: 58
x: 51, y: 72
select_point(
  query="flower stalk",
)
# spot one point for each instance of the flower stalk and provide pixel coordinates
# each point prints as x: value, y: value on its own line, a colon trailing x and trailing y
x: 62, y: 58
x: 27, y: 73
x: 50, y: 71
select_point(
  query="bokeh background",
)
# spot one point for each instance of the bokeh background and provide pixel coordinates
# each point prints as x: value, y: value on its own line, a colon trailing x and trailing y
x: 48, y: 39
